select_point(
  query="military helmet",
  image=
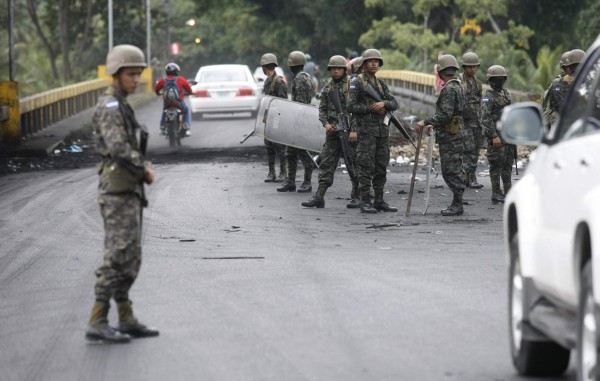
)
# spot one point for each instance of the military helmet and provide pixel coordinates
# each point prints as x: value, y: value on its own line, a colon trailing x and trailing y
x: 336, y: 61
x: 122, y: 56
x: 296, y: 58
x: 172, y: 67
x: 446, y: 61
x: 370, y: 54
x: 574, y: 57
x: 496, y: 71
x: 470, y: 59
x: 356, y: 63
x: 563, y: 58
x: 267, y: 59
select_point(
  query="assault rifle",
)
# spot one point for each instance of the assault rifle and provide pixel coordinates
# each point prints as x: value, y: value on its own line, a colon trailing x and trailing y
x: 392, y: 118
x: 143, y: 147
x: 342, y: 131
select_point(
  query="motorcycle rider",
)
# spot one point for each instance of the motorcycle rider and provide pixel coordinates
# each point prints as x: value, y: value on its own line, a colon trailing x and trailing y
x: 182, y: 88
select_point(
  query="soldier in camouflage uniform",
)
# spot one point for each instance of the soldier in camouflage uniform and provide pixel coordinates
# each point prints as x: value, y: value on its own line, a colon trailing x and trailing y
x: 373, y: 151
x: 548, y: 112
x: 274, y: 86
x: 449, y: 126
x: 557, y: 91
x: 500, y: 154
x: 302, y: 91
x: 122, y: 174
x: 332, y: 149
x: 473, y: 135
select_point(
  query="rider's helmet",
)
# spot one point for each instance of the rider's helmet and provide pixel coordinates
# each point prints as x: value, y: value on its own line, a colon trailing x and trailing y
x: 122, y: 56
x: 268, y: 59
x: 296, y: 58
x: 370, y: 54
x: 172, y: 68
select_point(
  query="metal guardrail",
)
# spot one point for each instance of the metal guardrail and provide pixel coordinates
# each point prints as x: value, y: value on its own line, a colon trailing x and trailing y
x: 42, y: 110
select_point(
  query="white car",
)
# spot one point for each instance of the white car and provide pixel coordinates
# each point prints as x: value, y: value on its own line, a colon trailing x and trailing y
x: 224, y: 89
x: 552, y: 232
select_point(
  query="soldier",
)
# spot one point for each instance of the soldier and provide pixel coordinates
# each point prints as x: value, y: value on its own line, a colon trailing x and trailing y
x: 557, y: 91
x: 356, y: 65
x: 549, y: 112
x: 302, y: 91
x: 122, y: 174
x: 276, y: 87
x: 473, y: 136
x: 500, y: 154
x: 448, y: 125
x: 332, y: 149
x: 373, y: 150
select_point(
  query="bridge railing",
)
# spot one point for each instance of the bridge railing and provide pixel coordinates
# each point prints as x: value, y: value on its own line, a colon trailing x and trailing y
x: 42, y: 110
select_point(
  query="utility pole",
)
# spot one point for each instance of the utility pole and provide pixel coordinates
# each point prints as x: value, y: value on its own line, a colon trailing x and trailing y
x: 148, y: 34
x: 110, y: 24
x: 168, y: 29
x: 11, y: 40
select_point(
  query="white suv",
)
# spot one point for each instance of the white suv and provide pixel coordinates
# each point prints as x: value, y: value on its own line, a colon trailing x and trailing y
x: 552, y: 232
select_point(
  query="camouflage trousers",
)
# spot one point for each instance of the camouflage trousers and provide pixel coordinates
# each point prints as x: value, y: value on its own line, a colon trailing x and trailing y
x: 473, y: 142
x: 330, y: 157
x: 372, y: 159
x: 275, y: 150
x: 501, y: 160
x: 292, y: 155
x: 451, y: 160
x: 122, y: 215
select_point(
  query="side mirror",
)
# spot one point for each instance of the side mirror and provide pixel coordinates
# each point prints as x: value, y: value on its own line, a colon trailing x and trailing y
x: 523, y: 124
x: 192, y: 82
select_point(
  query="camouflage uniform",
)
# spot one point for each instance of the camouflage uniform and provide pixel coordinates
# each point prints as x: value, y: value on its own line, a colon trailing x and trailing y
x: 553, y: 97
x: 449, y: 108
x: 276, y: 87
x: 332, y: 149
x: 500, y: 159
x: 373, y: 150
x: 302, y: 91
x: 473, y: 135
x: 121, y: 195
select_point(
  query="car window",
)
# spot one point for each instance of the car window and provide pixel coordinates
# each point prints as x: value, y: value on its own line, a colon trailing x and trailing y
x: 223, y: 76
x: 584, y: 89
x: 594, y: 118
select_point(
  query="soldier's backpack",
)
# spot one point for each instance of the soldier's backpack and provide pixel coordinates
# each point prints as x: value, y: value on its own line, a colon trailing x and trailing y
x: 171, y: 91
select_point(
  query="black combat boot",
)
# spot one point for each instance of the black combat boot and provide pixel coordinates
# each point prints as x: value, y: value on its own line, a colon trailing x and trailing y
x: 318, y: 200
x: 98, y: 329
x: 281, y: 178
x: 365, y: 204
x: 287, y: 187
x: 474, y: 183
x: 306, y: 186
x: 129, y: 325
x: 381, y: 205
x: 271, y: 176
x: 456, y: 208
x: 354, y: 199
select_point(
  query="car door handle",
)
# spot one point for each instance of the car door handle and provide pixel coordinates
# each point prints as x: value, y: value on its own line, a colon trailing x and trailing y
x: 584, y: 163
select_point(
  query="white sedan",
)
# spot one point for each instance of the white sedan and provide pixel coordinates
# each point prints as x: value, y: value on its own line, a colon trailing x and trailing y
x: 552, y: 233
x: 224, y: 89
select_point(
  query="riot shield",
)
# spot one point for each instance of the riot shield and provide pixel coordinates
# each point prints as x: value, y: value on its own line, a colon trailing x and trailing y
x: 291, y: 123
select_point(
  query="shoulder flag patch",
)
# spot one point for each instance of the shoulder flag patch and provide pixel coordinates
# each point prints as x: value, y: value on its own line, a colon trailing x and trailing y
x: 112, y: 104
x: 485, y: 99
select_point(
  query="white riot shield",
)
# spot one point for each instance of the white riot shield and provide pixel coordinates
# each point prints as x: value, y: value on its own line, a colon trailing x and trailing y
x: 291, y: 123
x: 261, y: 116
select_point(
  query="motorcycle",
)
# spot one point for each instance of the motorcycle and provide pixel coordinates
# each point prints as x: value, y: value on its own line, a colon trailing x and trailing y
x: 174, y: 126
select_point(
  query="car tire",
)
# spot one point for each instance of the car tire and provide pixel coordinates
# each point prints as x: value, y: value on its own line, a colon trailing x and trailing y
x: 530, y: 358
x: 587, y: 334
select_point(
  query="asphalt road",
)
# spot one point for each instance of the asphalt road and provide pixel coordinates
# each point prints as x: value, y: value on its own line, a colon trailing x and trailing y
x: 245, y: 284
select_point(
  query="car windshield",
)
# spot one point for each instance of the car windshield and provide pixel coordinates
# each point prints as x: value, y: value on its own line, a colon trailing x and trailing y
x: 222, y: 75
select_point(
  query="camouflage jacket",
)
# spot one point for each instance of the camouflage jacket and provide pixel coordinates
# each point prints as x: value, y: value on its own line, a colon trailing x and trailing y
x: 302, y: 90
x: 276, y: 87
x: 359, y: 102
x: 554, y: 96
x: 473, y: 90
x: 492, y: 104
x: 122, y: 166
x: 450, y: 103
x: 327, y: 112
